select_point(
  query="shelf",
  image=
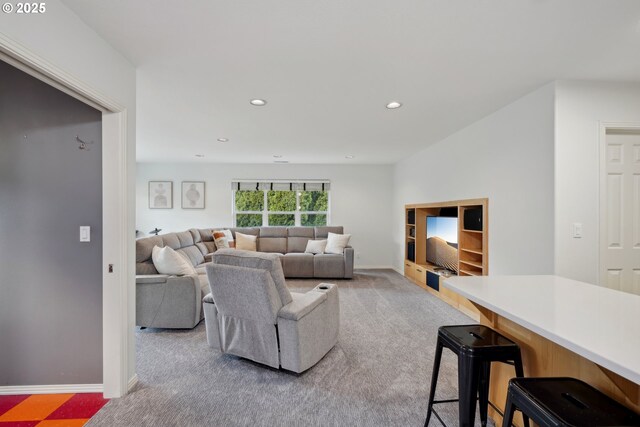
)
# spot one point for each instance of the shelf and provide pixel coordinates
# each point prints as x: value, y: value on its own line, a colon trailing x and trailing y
x: 472, y: 251
x: 472, y: 231
x: 471, y: 263
x: 470, y: 273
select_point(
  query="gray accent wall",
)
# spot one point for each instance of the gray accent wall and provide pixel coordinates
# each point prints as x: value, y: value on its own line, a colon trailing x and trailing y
x: 50, y: 282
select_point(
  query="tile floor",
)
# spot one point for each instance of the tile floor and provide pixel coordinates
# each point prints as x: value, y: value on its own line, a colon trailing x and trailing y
x: 49, y: 410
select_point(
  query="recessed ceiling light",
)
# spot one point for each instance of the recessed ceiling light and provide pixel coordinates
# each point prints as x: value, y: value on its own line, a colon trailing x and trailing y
x: 199, y: 155
x: 223, y: 139
x: 394, y: 104
x: 277, y: 156
x: 349, y: 157
x: 258, y: 102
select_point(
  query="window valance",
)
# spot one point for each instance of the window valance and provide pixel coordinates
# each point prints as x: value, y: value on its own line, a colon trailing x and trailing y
x: 281, y: 185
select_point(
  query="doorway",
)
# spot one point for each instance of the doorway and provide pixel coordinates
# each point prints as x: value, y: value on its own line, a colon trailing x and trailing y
x: 118, y: 172
x: 620, y: 209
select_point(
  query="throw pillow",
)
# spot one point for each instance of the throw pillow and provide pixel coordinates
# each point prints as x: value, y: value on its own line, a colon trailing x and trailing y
x: 246, y: 242
x: 336, y: 243
x: 315, y: 246
x: 168, y: 261
x: 223, y: 239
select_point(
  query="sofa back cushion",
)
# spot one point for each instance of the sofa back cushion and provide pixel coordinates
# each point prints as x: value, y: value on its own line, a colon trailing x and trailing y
x: 297, y: 238
x: 263, y: 261
x: 252, y: 231
x: 273, y: 240
x: 144, y: 249
x: 203, y: 237
x: 323, y: 232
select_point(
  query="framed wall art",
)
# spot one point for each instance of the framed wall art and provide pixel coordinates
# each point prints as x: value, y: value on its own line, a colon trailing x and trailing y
x: 160, y: 195
x: 192, y: 194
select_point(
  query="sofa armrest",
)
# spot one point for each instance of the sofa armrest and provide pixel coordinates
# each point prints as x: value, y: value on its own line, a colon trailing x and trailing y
x: 168, y: 301
x: 348, y: 262
x: 301, y: 305
x: 151, y: 278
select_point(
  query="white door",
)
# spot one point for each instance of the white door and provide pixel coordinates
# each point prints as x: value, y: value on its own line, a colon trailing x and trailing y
x: 620, y: 212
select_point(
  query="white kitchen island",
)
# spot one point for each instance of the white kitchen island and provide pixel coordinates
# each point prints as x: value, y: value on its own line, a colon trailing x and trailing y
x: 564, y: 328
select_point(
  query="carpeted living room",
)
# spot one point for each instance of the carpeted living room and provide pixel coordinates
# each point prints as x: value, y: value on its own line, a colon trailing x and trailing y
x: 335, y: 213
x: 377, y: 374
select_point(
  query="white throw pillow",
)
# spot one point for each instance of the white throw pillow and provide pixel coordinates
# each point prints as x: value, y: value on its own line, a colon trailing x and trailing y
x: 168, y: 261
x: 336, y: 243
x: 246, y: 242
x: 315, y: 246
x: 223, y: 239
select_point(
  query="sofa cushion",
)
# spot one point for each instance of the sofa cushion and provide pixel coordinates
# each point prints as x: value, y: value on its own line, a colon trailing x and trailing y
x: 323, y: 232
x: 223, y: 239
x: 168, y: 261
x: 193, y: 254
x: 269, y: 262
x: 273, y: 232
x: 246, y: 242
x: 252, y: 231
x: 298, y: 237
x: 272, y: 244
x: 316, y: 246
x: 336, y: 243
x: 146, y: 267
x: 144, y: 247
x: 328, y: 265
x: 297, y: 265
x: 206, y: 247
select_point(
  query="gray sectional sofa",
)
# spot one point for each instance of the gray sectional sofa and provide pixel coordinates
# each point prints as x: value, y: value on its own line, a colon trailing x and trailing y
x: 176, y: 302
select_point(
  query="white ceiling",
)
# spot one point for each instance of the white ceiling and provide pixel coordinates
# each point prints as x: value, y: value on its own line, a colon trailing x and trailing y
x: 327, y: 68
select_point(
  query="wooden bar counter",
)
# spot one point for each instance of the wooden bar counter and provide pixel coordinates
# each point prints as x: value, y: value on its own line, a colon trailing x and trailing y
x: 564, y: 328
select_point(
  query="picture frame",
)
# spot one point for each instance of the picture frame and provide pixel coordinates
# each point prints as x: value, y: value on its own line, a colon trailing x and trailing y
x: 160, y: 194
x: 193, y: 194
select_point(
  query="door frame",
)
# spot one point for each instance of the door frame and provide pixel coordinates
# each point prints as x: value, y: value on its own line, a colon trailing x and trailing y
x: 118, y: 298
x: 602, y: 183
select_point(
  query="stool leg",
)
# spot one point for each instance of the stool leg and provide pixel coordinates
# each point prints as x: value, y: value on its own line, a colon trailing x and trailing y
x: 483, y: 391
x: 468, y: 377
x: 434, y: 380
x: 509, y: 409
x: 517, y: 363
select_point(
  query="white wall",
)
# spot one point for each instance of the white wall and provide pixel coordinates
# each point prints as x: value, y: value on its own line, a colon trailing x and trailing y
x: 580, y: 108
x: 360, y: 199
x: 61, y: 38
x: 507, y: 157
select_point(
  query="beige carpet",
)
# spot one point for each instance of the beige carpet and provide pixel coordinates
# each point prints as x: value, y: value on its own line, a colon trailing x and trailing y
x: 378, y: 374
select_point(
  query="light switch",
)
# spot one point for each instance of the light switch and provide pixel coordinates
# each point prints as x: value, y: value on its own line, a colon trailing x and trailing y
x: 577, y: 230
x: 85, y: 233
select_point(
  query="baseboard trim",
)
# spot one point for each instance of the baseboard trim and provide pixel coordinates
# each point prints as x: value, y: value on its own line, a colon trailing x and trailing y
x: 51, y: 389
x: 132, y: 382
x: 373, y: 267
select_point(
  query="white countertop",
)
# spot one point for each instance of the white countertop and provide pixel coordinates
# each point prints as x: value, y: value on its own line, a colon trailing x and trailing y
x: 600, y: 324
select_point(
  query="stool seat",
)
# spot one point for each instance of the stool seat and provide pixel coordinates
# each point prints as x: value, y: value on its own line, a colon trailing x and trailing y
x: 477, y: 341
x: 565, y: 402
x: 476, y: 347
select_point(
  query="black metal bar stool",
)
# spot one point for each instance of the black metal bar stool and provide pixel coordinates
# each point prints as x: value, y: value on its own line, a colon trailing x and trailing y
x: 476, y: 346
x: 555, y: 402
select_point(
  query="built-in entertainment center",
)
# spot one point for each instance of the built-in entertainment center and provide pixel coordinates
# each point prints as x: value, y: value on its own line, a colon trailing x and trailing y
x: 444, y: 239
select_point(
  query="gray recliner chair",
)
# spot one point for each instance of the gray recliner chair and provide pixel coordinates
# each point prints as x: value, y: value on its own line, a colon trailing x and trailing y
x: 250, y: 312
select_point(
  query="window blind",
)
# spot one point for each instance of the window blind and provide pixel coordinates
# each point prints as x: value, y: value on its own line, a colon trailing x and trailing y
x: 281, y: 185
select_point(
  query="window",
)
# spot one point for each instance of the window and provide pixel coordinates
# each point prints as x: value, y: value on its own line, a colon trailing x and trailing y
x: 280, y: 203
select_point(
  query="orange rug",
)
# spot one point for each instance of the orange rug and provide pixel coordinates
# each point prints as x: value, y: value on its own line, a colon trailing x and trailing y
x: 49, y: 410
